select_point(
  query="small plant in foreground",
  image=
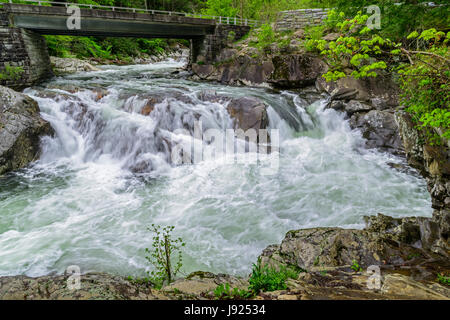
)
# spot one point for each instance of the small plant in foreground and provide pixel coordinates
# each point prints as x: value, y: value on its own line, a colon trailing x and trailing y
x: 269, y: 279
x: 161, y: 256
x: 443, y: 279
x: 355, y: 266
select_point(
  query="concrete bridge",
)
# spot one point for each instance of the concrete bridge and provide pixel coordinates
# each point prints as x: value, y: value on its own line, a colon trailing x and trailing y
x: 22, y: 27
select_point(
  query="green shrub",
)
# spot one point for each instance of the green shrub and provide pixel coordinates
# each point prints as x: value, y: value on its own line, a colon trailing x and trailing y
x: 423, y: 75
x: 355, y: 266
x: 224, y: 292
x: 11, y: 72
x: 425, y: 85
x: 443, y: 279
x: 266, y: 36
x: 269, y: 279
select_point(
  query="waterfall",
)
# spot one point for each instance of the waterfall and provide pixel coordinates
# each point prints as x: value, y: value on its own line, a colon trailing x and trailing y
x: 107, y: 175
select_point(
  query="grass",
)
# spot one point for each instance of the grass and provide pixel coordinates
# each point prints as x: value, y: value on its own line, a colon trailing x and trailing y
x: 445, y: 280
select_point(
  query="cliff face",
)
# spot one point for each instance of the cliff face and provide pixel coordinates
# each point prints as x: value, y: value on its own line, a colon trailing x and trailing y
x: 433, y: 161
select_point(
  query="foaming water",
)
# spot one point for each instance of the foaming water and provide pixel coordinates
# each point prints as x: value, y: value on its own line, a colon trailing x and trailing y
x: 106, y: 176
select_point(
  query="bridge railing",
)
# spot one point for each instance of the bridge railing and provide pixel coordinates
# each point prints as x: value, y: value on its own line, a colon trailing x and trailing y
x: 218, y: 19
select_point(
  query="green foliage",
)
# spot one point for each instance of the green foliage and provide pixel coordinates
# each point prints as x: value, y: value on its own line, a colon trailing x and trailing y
x: 424, y: 84
x: 225, y: 292
x: 355, y: 51
x: 11, y: 72
x: 165, y: 255
x: 269, y: 279
x: 355, y: 266
x: 231, y: 36
x: 106, y: 48
x: 443, y: 279
x: 222, y: 8
x: 266, y: 36
x: 397, y: 21
x: 423, y: 76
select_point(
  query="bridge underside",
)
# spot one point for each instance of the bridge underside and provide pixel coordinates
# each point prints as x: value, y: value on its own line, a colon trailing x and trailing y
x: 53, y: 20
x: 22, y: 46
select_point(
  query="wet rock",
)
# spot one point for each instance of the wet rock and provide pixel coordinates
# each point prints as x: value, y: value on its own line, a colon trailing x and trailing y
x: 433, y: 161
x: 324, y: 247
x: 203, y: 71
x: 343, y: 94
x: 249, y: 113
x: 93, y: 286
x: 243, y: 70
x: 147, y: 109
x: 351, y: 107
x: 420, y: 232
x: 211, y: 96
x: 380, y: 130
x: 296, y: 70
x: 382, y: 90
x: 21, y: 128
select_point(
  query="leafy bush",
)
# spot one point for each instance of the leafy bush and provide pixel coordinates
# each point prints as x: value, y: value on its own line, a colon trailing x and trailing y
x: 164, y: 251
x: 269, y: 279
x: 106, y: 48
x: 224, y: 292
x: 424, y: 76
x: 443, y: 279
x: 266, y: 36
x: 11, y: 72
x: 397, y: 21
x: 356, y: 49
x: 425, y: 85
x: 355, y: 266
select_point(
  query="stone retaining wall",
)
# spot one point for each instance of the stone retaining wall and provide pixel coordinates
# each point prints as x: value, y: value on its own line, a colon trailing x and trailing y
x: 24, y: 49
x: 207, y: 49
x: 297, y: 19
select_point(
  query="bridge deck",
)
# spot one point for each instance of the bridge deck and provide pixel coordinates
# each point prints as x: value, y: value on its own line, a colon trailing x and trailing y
x: 53, y: 20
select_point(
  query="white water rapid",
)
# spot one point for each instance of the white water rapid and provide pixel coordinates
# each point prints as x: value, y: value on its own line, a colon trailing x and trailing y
x: 105, y: 177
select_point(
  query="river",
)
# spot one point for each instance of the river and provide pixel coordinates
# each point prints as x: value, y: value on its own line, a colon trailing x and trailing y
x: 104, y: 178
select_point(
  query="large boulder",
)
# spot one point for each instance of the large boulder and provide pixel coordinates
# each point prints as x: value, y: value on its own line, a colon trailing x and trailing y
x: 70, y: 65
x: 235, y: 69
x: 324, y: 247
x: 296, y: 70
x: 433, y: 161
x: 385, y: 241
x: 249, y: 113
x: 21, y: 128
x: 380, y: 130
x: 381, y: 92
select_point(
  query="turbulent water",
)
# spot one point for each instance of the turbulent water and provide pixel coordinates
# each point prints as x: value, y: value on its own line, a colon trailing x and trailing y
x: 105, y: 177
